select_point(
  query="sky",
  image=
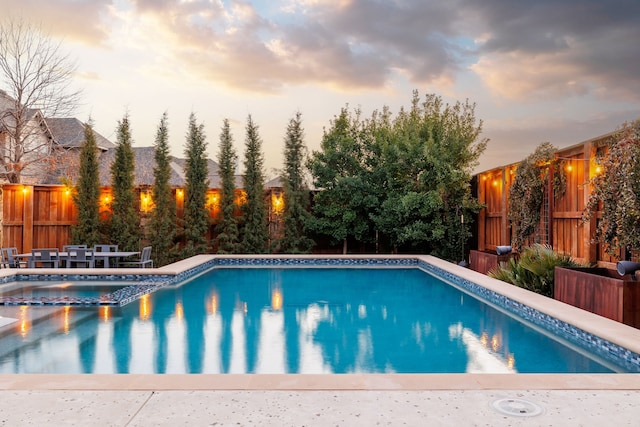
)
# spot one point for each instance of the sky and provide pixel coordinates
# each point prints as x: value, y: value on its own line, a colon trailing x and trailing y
x: 562, y: 71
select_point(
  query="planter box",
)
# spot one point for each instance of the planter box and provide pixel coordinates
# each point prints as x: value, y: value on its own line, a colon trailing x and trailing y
x: 600, y: 291
x: 482, y: 261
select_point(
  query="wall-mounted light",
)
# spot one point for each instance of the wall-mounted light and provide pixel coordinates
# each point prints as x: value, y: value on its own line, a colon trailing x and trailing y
x: 569, y: 167
x: 145, y: 202
x: 598, y: 169
x: 213, y: 202
x: 277, y: 203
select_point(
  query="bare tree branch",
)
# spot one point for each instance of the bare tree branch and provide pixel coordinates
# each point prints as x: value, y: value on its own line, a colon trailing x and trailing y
x: 35, y: 83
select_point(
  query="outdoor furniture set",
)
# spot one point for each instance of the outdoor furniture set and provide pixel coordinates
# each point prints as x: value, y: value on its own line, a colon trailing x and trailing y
x: 76, y: 256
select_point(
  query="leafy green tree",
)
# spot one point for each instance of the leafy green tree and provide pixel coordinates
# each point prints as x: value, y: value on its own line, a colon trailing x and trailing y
x: 228, y: 233
x: 255, y: 235
x: 405, y: 178
x: 87, y: 194
x: 296, y: 194
x: 342, y: 208
x: 196, y: 217
x: 162, y: 225
x: 125, y: 221
x: 430, y: 154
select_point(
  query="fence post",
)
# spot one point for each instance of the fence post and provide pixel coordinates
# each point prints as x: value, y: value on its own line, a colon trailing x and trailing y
x: 27, y: 218
x: 589, y: 228
x: 505, y: 239
x: 481, y: 227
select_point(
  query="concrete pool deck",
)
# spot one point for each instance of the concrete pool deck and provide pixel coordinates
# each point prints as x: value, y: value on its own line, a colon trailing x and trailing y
x: 320, y: 400
x: 332, y: 400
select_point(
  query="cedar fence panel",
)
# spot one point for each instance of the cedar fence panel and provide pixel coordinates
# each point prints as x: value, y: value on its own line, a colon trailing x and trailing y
x: 492, y: 224
x: 13, y: 203
x: 570, y: 233
x: 567, y: 231
x: 42, y: 215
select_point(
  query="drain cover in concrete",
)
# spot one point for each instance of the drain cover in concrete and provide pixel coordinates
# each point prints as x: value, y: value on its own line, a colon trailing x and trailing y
x: 517, y: 407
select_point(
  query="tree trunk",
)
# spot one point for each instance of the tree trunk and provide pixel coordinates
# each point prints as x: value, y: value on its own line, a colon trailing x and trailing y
x: 344, y: 246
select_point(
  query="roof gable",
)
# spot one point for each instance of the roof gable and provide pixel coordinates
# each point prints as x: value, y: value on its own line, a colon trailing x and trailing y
x: 69, y: 133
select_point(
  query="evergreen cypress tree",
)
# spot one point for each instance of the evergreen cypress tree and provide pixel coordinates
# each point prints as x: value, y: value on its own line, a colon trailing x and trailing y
x: 255, y: 235
x: 125, y: 221
x: 162, y: 225
x: 296, y: 193
x: 228, y: 235
x: 196, y: 217
x: 87, y: 194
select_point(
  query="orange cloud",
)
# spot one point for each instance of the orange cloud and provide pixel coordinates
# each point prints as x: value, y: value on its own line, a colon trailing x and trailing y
x: 79, y: 21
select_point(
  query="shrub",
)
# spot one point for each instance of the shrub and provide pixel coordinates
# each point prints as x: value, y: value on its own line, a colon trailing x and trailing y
x: 616, y: 191
x: 534, y: 269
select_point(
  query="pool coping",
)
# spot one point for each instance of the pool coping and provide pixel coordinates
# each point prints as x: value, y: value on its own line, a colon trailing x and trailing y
x: 615, y: 332
x: 353, y: 382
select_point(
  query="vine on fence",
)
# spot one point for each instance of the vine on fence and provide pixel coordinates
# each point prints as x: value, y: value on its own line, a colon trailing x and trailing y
x: 528, y: 188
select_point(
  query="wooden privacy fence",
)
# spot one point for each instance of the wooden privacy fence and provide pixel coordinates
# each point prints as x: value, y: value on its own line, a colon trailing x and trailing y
x: 562, y: 225
x: 36, y: 216
x: 41, y: 216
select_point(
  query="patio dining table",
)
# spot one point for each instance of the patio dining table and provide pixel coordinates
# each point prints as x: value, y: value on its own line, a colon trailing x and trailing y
x: 106, y: 257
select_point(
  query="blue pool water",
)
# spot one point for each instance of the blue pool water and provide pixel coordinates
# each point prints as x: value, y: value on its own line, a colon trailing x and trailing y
x: 273, y: 320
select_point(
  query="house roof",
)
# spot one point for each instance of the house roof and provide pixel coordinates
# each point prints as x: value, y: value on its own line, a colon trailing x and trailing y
x: 274, y: 183
x: 69, y: 133
x: 145, y: 163
x: 8, y: 109
x: 6, y: 102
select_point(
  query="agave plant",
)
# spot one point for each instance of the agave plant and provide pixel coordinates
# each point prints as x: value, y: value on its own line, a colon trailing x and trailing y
x: 534, y: 269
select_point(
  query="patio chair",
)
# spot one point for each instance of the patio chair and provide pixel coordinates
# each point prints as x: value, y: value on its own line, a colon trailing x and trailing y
x: 47, y: 257
x: 104, y: 248
x: 144, y: 261
x: 80, y: 257
x: 10, y: 258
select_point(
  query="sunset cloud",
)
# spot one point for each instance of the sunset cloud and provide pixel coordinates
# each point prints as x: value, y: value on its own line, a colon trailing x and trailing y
x: 556, y: 64
x: 80, y: 21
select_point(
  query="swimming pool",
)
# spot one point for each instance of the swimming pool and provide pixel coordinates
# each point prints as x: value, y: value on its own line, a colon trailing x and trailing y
x: 280, y: 322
